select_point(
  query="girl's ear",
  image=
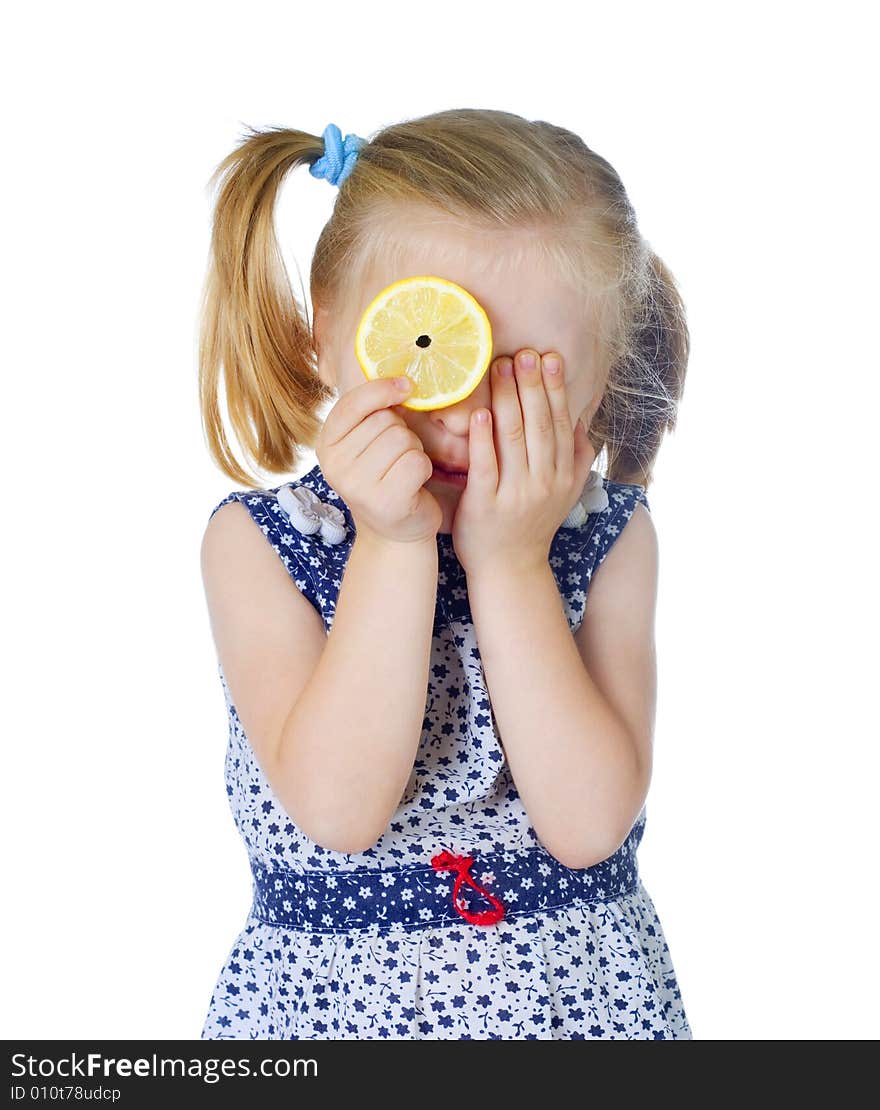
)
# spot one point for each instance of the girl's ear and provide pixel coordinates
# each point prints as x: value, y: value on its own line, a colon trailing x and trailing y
x: 319, y: 337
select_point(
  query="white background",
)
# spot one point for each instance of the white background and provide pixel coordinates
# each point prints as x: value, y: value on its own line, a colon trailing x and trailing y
x: 746, y: 141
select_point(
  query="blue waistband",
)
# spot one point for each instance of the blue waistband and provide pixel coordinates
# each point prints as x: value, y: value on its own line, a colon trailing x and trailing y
x: 510, y: 884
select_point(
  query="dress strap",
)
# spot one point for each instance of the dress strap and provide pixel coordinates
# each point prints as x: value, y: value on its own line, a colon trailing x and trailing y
x: 578, y: 550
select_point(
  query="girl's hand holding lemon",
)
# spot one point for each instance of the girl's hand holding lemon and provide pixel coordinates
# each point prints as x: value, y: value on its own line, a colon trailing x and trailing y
x: 527, y: 467
x: 377, y: 464
x: 435, y: 334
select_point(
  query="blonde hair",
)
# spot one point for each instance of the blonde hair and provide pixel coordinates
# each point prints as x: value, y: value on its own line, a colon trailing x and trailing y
x: 490, y: 170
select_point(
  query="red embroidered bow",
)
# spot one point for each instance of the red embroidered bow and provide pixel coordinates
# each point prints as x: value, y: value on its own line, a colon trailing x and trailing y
x: 446, y: 861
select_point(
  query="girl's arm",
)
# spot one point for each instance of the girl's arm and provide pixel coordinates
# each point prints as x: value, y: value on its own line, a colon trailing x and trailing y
x: 575, y: 713
x: 347, y: 749
x: 334, y: 719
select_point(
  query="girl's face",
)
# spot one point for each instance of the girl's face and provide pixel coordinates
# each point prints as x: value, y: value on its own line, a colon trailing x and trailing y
x: 527, y: 306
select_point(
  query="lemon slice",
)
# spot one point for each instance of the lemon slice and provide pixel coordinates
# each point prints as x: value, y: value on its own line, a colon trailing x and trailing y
x: 431, y: 330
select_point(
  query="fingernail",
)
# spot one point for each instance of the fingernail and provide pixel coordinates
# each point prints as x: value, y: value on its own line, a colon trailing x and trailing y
x: 404, y: 384
x: 505, y: 368
x: 551, y: 364
x: 482, y: 416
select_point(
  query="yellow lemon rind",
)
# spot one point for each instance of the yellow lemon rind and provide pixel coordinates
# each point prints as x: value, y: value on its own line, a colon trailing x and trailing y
x: 440, y: 400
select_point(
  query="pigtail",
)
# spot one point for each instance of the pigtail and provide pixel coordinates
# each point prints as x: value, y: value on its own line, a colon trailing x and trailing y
x: 644, y: 390
x: 251, y: 326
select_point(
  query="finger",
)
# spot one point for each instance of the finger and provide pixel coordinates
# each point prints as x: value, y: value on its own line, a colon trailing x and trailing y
x: 507, y: 418
x: 537, y: 419
x: 360, y: 402
x: 386, y: 450
x: 557, y: 399
x: 482, y: 461
x: 373, y: 425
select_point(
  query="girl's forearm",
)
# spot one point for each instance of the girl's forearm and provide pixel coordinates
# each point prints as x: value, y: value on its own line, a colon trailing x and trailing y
x: 572, y: 760
x: 348, y: 746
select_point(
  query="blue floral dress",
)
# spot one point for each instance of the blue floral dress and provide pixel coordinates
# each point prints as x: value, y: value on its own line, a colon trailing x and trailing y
x: 457, y: 923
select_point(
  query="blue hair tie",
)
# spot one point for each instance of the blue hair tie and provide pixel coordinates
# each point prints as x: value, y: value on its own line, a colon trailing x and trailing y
x: 339, y: 157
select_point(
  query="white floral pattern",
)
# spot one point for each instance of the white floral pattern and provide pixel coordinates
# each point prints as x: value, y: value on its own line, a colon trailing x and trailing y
x: 370, y: 945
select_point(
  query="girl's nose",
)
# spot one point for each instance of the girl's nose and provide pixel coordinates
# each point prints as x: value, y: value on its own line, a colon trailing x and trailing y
x: 456, y: 419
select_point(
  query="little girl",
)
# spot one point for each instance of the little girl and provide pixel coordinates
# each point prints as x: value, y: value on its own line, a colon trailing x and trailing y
x: 440, y: 707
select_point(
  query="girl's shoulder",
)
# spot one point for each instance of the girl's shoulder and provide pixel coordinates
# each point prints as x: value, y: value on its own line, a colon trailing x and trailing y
x: 308, y: 527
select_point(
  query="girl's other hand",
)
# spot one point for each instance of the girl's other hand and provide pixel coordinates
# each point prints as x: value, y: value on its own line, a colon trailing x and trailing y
x: 377, y: 464
x: 527, y: 467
